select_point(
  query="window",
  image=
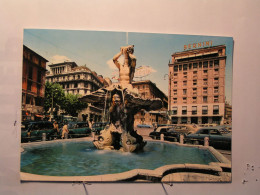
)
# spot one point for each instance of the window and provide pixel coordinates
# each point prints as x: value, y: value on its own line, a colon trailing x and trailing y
x: 190, y: 66
x: 194, y: 110
x: 184, y: 109
x: 216, y: 63
x: 174, y: 110
x: 205, y: 64
x: 175, y: 92
x: 184, y: 100
x: 216, y: 81
x: 29, y: 85
x: 184, y: 83
x: 175, y: 74
x: 175, y: 100
x: 39, y: 76
x: 175, y: 69
x: 78, y: 76
x: 216, y: 70
x: 194, y: 82
x: 194, y: 99
x: 185, y: 66
x: 180, y: 67
x: 205, y: 99
x: 175, y: 83
x: 205, y: 81
x: 215, y: 89
x: 68, y: 86
x: 30, y: 72
x: 210, y: 64
x: 184, y: 91
x: 204, y: 131
x: 195, y: 72
x: 194, y: 91
x: 205, y: 90
x: 215, y: 109
x: 205, y: 71
x: 204, y: 109
x: 200, y: 64
x: 195, y: 65
x: 216, y: 99
x: 185, y: 73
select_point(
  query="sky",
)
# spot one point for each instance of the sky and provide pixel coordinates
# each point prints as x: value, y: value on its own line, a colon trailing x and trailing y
x: 95, y: 49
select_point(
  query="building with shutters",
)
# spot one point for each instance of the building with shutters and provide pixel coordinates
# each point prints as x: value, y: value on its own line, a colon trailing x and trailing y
x: 33, y: 85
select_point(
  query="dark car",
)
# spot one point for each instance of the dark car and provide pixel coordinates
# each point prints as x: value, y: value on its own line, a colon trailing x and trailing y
x: 219, y: 137
x: 156, y: 134
x: 78, y: 129
x: 32, y: 131
x: 99, y: 126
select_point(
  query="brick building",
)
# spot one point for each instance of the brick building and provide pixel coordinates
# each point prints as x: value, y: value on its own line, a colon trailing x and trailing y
x: 33, y: 85
x: 149, y: 90
x: 197, y: 85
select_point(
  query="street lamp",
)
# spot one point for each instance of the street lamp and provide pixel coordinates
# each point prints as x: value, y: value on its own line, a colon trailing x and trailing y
x: 52, y: 101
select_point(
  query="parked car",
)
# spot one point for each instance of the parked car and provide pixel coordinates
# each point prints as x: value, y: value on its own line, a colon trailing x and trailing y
x: 99, y: 126
x: 219, y: 137
x: 78, y: 129
x: 144, y: 126
x: 186, y: 129
x: 33, y: 130
x: 156, y: 134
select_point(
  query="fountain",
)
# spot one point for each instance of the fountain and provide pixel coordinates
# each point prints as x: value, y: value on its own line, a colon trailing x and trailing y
x: 125, y: 102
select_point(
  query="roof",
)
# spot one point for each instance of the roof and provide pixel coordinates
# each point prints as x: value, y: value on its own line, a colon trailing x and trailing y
x: 25, y: 47
x: 63, y: 63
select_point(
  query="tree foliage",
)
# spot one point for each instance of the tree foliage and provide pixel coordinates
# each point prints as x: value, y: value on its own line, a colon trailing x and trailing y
x: 73, y: 105
x: 55, y: 91
x: 68, y: 102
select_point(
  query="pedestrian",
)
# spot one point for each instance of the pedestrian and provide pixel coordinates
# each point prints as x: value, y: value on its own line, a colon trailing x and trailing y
x: 90, y: 124
x: 56, y: 129
x: 65, y: 131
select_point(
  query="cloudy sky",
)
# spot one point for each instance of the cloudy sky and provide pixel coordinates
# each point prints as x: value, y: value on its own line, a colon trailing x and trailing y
x: 95, y: 49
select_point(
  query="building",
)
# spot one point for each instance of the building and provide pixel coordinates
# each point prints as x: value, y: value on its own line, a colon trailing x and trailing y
x: 197, y: 85
x: 33, y: 85
x: 228, y: 113
x: 149, y: 90
x: 79, y: 80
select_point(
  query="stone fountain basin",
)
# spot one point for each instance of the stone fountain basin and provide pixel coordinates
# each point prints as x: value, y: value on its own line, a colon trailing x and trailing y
x: 219, y: 171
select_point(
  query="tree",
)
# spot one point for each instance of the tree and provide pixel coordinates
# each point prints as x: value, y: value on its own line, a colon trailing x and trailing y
x: 73, y: 105
x: 54, y: 96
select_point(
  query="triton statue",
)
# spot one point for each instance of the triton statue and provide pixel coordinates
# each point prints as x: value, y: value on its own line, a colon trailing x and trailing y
x: 124, y: 103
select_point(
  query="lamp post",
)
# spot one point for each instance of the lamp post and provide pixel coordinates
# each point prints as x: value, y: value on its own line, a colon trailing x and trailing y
x: 52, y: 102
x: 169, y: 99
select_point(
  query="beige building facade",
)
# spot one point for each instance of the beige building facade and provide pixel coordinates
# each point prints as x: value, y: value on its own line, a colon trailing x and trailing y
x: 197, y: 86
x: 149, y: 90
x: 78, y: 80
